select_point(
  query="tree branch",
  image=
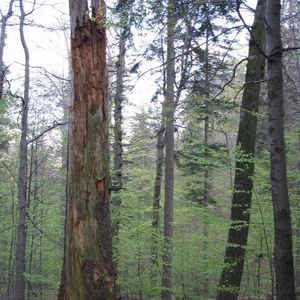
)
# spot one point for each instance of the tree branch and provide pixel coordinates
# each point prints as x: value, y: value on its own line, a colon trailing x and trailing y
x: 231, y: 79
x: 55, y: 124
x: 290, y: 49
x: 238, y: 3
x: 47, y: 72
x: 178, y: 56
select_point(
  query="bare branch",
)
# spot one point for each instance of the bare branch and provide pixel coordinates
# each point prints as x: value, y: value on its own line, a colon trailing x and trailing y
x: 290, y: 49
x: 50, y: 73
x: 231, y: 79
x: 187, y: 52
x: 40, y: 230
x: 238, y: 3
x: 55, y: 124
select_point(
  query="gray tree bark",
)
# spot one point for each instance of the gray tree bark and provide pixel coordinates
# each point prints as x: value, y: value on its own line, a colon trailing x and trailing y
x: 156, y: 207
x: 231, y: 276
x: 118, y: 100
x: 283, y: 248
x: 124, y: 9
x: 169, y: 160
x: 119, y: 96
x: 22, y: 189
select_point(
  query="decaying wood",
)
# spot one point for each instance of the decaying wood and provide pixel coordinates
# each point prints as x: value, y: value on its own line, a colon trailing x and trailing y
x: 88, y: 272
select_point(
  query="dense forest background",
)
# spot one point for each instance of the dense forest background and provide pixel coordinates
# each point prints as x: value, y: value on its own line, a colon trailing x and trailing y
x: 210, y: 57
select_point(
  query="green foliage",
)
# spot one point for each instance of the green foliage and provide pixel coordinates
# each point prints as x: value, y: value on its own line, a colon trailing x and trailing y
x: 258, y: 271
x: 204, y: 168
x: 45, y: 200
x: 198, y: 231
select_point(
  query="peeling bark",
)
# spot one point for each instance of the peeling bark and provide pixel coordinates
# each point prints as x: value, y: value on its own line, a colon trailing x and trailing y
x: 88, y: 271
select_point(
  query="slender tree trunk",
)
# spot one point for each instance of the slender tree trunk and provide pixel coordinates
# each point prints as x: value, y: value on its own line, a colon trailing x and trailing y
x: 156, y: 234
x: 32, y: 231
x: 206, y: 173
x: 118, y: 100
x: 206, y: 188
x: 22, y: 192
x: 41, y: 259
x: 32, y: 191
x: 283, y: 248
x: 118, y: 118
x: 88, y: 271
x: 10, y: 284
x: 4, y: 20
x: 297, y: 233
x: 294, y: 23
x: 169, y: 161
x: 119, y: 97
x: 160, y: 157
x: 156, y: 208
x: 232, y: 272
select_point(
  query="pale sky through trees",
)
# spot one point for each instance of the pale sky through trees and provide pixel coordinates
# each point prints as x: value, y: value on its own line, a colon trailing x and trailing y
x: 212, y: 61
x: 49, y: 47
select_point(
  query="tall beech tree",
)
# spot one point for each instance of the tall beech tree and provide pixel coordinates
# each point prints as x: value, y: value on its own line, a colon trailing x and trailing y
x: 232, y: 272
x: 169, y: 160
x: 290, y: 32
x: 283, y: 248
x: 22, y: 176
x: 88, y: 271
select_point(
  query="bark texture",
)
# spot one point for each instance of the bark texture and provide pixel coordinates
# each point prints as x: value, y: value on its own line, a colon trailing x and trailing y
x: 169, y: 161
x: 88, y: 271
x: 22, y: 180
x: 118, y: 101
x: 124, y: 19
x: 123, y: 8
x: 156, y: 208
x: 232, y: 272
x: 283, y: 248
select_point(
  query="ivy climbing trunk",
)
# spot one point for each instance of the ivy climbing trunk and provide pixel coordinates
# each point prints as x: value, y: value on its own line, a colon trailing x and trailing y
x: 283, y: 248
x: 232, y: 272
x: 166, y: 293
x: 88, y: 271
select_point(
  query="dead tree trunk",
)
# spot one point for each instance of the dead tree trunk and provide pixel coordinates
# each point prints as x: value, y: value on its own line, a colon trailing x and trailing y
x: 88, y: 270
